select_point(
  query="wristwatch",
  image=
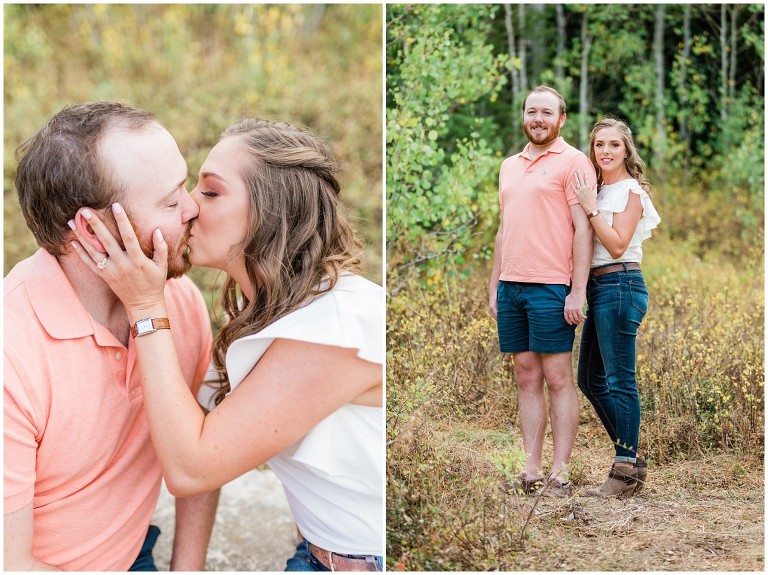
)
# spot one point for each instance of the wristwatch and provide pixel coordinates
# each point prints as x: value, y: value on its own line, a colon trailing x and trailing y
x: 591, y: 215
x: 150, y: 325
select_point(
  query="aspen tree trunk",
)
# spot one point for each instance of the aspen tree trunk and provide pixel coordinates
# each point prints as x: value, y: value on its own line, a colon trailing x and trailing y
x: 515, y: 86
x: 682, y: 80
x: 312, y: 23
x: 723, y: 62
x: 559, y: 67
x: 586, y: 45
x: 658, y: 56
x: 537, y: 44
x: 683, y: 92
x: 734, y: 45
x: 522, y: 48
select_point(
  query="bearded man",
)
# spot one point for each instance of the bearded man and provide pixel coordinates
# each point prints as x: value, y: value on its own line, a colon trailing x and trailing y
x: 81, y: 475
x: 538, y: 284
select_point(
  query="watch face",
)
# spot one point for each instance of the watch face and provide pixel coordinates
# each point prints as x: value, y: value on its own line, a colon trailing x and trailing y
x: 144, y: 325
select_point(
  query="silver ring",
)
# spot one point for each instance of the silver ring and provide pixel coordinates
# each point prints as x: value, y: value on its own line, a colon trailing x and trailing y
x: 103, y: 263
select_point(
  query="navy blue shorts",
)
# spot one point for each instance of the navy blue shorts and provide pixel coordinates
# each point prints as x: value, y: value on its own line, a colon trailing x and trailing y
x: 531, y: 318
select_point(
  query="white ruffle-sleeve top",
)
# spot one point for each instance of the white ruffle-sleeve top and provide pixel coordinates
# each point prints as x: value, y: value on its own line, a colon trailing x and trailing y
x: 333, y: 476
x: 612, y: 199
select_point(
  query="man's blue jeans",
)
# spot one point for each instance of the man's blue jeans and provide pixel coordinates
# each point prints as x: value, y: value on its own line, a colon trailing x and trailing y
x: 617, y: 303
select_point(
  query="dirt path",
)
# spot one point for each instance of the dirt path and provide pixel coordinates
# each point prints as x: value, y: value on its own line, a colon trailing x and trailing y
x: 691, y: 517
x: 253, y: 529
x: 696, y: 515
x: 702, y: 514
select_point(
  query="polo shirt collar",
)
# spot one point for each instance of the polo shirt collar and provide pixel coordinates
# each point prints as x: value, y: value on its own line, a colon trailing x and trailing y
x: 557, y: 147
x: 54, y: 300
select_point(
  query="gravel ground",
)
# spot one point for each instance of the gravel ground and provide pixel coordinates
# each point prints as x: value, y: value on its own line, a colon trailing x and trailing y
x: 252, y: 509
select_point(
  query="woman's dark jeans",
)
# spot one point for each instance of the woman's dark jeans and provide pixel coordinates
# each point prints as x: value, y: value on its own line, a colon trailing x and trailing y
x: 617, y: 303
x: 303, y: 560
x: 145, y: 561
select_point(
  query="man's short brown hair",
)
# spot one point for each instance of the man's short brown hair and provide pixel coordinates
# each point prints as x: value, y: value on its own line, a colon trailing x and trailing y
x: 551, y: 91
x: 60, y: 170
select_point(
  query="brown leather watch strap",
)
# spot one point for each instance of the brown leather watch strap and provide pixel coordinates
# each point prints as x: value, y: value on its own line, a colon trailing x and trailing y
x: 150, y: 325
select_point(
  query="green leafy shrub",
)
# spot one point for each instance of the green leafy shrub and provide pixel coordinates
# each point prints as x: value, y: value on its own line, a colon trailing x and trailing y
x: 440, y: 189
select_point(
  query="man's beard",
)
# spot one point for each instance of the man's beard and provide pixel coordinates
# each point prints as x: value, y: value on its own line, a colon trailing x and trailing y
x: 551, y: 136
x: 176, y: 253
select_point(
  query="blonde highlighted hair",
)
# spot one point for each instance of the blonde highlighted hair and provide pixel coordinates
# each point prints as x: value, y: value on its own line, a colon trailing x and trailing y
x: 299, y: 239
x: 633, y: 162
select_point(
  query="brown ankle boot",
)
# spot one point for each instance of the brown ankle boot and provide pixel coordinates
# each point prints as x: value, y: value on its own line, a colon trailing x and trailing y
x: 619, y: 484
x: 642, y: 472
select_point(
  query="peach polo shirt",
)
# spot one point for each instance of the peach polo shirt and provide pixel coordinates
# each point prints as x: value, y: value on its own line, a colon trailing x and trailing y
x: 76, y: 439
x: 537, y: 228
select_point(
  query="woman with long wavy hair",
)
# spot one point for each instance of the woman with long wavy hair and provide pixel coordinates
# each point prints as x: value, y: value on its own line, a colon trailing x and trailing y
x: 300, y: 359
x: 622, y: 216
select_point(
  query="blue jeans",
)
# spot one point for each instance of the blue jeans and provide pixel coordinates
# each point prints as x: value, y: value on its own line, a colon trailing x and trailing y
x: 303, y: 560
x: 617, y: 303
x: 145, y: 561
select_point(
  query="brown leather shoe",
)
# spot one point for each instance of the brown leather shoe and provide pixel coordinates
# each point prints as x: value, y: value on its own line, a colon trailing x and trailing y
x: 557, y: 489
x: 527, y: 486
x: 618, y: 484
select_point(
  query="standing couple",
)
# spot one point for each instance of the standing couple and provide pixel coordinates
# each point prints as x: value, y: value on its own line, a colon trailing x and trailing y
x: 571, y: 232
x: 105, y: 353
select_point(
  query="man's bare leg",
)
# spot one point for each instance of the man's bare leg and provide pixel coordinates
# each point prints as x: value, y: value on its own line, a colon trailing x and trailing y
x: 532, y: 406
x: 564, y: 408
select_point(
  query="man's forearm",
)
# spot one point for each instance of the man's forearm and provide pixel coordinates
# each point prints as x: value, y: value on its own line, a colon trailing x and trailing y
x: 32, y: 565
x: 582, y: 256
x: 194, y: 522
x: 493, y: 283
x: 496, y: 269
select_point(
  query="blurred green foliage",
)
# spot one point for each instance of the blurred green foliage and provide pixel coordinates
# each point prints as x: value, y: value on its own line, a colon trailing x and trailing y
x: 199, y: 68
x: 452, y: 117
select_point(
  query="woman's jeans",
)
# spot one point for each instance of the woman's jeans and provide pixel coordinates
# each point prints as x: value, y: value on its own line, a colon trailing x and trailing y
x: 617, y: 303
x: 303, y: 560
x: 145, y: 561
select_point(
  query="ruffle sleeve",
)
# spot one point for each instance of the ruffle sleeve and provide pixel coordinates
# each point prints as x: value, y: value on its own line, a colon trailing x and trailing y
x: 614, y: 199
x: 351, y: 316
x: 650, y: 218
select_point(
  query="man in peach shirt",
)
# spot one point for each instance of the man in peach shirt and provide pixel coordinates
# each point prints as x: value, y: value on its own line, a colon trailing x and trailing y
x: 537, y: 289
x: 81, y: 478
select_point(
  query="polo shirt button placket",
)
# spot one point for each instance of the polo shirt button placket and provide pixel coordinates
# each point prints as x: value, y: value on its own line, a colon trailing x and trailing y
x: 120, y: 367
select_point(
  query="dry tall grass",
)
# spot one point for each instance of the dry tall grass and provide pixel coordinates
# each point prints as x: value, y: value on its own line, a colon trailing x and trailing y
x: 453, y: 437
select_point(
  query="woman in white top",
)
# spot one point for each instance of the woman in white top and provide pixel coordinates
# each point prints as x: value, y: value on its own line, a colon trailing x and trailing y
x: 300, y: 360
x: 622, y: 216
